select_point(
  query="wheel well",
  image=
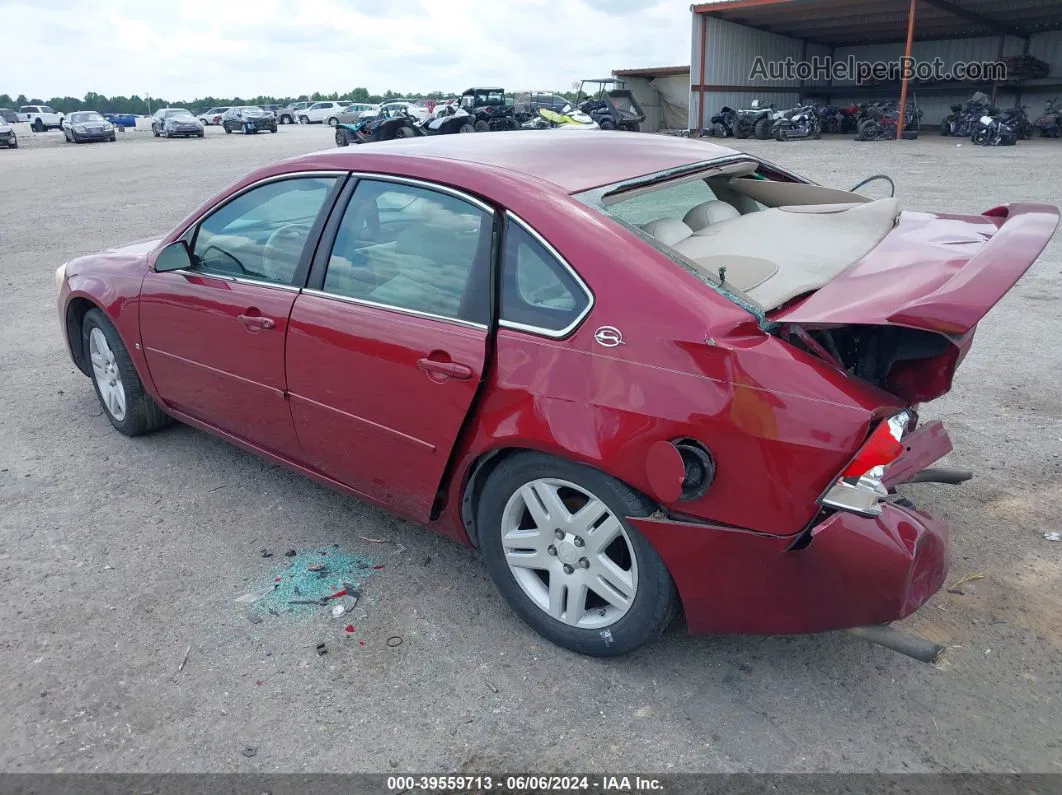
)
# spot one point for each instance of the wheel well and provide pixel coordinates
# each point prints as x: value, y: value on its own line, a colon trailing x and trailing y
x: 479, y: 472
x: 75, y: 317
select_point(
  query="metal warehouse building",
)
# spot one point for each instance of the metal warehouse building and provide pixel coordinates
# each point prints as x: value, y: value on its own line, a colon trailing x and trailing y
x: 728, y: 35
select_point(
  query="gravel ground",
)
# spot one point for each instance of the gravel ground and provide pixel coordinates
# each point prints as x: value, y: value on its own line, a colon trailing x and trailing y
x: 116, y: 555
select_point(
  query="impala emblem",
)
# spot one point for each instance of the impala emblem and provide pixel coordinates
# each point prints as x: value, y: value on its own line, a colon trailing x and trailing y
x: 608, y: 336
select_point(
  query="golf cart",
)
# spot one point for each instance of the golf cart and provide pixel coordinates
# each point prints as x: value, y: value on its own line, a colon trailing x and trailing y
x: 612, y: 107
x: 490, y: 109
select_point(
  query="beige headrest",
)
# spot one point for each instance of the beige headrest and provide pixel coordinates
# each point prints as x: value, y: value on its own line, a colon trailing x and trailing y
x: 711, y: 212
x: 668, y: 231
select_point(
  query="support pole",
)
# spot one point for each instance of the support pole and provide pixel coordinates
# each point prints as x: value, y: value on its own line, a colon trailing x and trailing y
x: 907, y: 55
x: 700, y: 76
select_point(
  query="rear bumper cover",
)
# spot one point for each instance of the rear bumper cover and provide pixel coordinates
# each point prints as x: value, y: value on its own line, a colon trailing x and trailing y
x: 854, y: 571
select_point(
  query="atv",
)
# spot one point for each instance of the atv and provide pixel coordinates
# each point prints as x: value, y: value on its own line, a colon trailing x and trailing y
x: 389, y: 124
x: 489, y: 107
x: 612, y: 109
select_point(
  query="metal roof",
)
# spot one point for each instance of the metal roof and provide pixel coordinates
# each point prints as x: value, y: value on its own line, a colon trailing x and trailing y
x: 653, y: 71
x: 839, y: 22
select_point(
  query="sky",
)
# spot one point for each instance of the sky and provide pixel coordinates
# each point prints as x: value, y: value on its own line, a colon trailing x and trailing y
x: 224, y: 48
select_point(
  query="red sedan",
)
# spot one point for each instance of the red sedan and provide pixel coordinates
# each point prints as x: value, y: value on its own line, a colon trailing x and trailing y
x: 637, y: 372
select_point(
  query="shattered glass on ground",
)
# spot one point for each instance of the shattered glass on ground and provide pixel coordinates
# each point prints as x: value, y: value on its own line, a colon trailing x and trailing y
x: 310, y: 580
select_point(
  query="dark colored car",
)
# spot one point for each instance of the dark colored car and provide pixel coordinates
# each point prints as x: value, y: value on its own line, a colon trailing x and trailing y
x: 174, y: 122
x: 248, y: 119
x: 490, y: 108
x: 525, y: 343
x: 8, y: 115
x: 87, y: 125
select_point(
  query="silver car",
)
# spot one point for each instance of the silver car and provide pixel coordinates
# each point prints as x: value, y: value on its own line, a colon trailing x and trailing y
x: 171, y: 122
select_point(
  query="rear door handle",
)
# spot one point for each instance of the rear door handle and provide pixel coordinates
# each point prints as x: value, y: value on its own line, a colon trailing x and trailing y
x: 460, y: 372
x: 257, y: 322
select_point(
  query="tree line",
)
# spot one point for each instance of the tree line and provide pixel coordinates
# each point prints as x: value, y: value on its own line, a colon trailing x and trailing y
x: 146, y: 105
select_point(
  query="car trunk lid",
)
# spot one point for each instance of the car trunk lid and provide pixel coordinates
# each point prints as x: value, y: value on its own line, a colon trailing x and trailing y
x: 903, y: 317
x: 938, y: 273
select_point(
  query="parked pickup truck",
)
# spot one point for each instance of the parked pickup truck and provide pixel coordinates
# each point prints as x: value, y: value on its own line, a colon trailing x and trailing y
x: 40, y: 117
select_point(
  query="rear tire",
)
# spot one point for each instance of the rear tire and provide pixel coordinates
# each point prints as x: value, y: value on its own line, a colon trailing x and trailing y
x: 607, y: 124
x: 762, y: 129
x: 228, y: 129
x: 38, y: 126
x: 635, y: 565
x: 405, y: 132
x: 140, y: 414
x: 481, y: 126
x: 341, y: 137
x: 742, y: 129
x: 467, y: 128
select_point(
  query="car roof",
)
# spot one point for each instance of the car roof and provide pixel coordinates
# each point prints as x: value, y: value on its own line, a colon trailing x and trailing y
x: 574, y: 160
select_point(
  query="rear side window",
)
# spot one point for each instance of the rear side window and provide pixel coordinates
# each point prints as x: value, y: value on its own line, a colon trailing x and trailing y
x: 538, y: 293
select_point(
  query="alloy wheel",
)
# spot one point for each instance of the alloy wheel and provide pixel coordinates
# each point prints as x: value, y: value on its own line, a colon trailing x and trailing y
x: 108, y: 378
x: 569, y: 553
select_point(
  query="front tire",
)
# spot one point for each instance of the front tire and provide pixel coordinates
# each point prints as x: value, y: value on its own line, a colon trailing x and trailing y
x: 481, y: 126
x: 341, y: 137
x: 304, y: 120
x: 762, y: 129
x: 557, y: 545
x: 118, y: 387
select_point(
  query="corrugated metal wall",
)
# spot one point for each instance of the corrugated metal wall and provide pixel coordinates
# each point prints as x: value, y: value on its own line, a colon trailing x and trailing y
x: 732, y: 50
x: 1048, y: 47
x: 731, y: 54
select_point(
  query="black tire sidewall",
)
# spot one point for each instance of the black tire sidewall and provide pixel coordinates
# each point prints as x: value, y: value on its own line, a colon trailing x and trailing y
x: 655, y: 599
x: 142, y: 414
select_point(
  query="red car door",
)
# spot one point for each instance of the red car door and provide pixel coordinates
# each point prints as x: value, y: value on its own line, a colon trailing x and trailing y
x: 214, y: 334
x: 386, y: 346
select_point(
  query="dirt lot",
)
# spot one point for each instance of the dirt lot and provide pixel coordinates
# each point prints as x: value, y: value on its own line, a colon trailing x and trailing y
x: 118, y: 554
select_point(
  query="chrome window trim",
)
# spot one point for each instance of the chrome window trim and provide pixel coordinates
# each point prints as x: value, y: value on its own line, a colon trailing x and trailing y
x: 191, y: 232
x: 391, y: 308
x: 590, y: 300
x: 291, y: 288
x: 413, y: 183
x: 264, y: 181
x: 420, y: 183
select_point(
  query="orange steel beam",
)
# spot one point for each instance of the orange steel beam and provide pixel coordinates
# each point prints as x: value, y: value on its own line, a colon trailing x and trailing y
x: 903, y: 89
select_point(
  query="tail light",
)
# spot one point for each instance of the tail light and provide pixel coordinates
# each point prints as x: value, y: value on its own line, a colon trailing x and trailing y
x: 882, y: 448
x: 859, y: 488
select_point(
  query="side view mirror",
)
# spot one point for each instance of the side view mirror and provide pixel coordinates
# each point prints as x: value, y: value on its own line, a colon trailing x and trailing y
x: 173, y: 258
x: 755, y: 103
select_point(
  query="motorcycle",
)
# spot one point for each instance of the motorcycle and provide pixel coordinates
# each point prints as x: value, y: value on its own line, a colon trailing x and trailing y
x: 390, y: 124
x: 800, y: 122
x: 1017, y: 119
x: 830, y: 118
x: 878, y: 121
x: 964, y: 118
x: 1050, y: 123
x: 993, y: 131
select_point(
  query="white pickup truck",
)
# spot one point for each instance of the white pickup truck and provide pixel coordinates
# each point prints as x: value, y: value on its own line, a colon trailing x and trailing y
x: 40, y: 117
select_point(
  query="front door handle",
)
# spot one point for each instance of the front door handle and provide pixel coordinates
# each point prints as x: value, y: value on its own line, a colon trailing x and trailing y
x: 460, y: 372
x: 255, y: 323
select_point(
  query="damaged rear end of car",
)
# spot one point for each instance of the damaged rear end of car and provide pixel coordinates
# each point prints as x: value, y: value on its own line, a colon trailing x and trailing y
x: 882, y: 303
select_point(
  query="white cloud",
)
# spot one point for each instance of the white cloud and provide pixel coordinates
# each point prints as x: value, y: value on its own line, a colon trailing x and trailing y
x: 194, y: 48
